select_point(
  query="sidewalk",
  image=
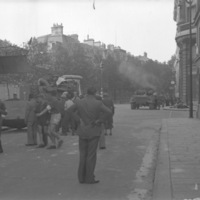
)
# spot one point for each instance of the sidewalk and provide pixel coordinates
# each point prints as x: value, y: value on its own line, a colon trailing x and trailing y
x: 177, y: 174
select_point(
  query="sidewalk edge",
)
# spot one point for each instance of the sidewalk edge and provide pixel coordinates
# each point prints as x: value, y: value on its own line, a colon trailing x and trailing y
x: 162, y: 188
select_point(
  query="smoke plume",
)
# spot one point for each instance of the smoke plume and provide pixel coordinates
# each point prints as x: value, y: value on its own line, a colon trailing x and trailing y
x: 137, y: 75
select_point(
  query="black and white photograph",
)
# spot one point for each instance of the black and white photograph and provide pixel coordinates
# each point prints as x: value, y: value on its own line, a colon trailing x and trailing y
x: 100, y: 100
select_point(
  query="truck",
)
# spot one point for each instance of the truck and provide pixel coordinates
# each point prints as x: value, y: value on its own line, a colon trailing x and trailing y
x: 17, y: 104
x: 136, y: 101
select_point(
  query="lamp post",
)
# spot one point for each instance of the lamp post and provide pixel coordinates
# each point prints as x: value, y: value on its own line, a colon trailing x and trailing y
x: 104, y: 56
x: 190, y: 51
x: 172, y: 88
x: 101, y: 78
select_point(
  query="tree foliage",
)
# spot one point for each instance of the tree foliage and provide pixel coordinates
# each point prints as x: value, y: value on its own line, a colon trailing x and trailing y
x: 120, y: 76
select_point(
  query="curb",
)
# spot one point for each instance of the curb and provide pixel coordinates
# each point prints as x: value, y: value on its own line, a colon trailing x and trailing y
x: 176, y: 109
x: 162, y: 187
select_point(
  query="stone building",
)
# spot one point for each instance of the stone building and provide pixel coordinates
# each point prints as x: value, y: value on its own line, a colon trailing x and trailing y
x: 57, y: 37
x: 197, y: 58
x: 182, y: 64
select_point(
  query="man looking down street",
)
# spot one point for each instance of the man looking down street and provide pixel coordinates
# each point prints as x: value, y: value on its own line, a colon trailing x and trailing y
x: 91, y: 113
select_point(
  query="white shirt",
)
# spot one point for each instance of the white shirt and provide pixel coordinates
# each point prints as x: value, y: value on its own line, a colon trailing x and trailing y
x: 68, y: 104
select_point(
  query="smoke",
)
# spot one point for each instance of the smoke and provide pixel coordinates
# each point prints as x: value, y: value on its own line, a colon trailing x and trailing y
x: 137, y: 75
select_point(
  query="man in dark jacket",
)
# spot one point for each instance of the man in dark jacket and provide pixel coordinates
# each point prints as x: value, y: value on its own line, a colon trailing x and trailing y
x: 107, y: 101
x: 31, y: 121
x: 90, y: 112
x: 3, y: 112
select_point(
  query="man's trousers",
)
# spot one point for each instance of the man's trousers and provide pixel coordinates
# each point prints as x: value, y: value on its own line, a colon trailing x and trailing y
x: 31, y: 133
x: 88, y: 157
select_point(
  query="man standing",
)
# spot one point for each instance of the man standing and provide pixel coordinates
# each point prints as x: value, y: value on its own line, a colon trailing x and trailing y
x: 91, y: 113
x: 30, y: 120
x: 107, y: 101
x: 68, y: 117
x: 42, y: 121
x: 3, y: 112
x: 54, y: 108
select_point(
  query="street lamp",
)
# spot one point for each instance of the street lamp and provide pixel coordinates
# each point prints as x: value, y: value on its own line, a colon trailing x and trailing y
x: 190, y: 50
x: 104, y: 56
x: 101, y: 79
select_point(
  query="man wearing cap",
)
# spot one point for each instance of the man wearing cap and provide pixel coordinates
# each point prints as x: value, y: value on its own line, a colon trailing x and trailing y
x: 91, y: 113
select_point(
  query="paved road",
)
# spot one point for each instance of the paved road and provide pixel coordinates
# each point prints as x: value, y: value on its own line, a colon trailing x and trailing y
x: 125, y: 168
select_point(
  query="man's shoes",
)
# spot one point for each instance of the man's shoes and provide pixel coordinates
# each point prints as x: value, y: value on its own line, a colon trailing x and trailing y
x: 41, y: 146
x: 110, y: 133
x: 29, y: 145
x: 60, y: 142
x: 52, y: 147
x: 106, y: 134
x: 1, y: 148
x: 102, y: 147
x: 93, y: 182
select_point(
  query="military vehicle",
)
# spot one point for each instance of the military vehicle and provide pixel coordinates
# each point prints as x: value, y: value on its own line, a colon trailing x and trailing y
x: 137, y: 101
x: 16, y: 106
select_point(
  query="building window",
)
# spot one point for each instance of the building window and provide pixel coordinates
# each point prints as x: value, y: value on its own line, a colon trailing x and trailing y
x: 193, y: 10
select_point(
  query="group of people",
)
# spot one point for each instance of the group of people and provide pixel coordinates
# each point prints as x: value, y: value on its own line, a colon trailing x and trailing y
x: 43, y: 116
x: 90, y: 117
x: 48, y: 116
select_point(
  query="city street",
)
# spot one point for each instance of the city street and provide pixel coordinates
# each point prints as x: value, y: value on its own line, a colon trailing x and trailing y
x: 125, y: 168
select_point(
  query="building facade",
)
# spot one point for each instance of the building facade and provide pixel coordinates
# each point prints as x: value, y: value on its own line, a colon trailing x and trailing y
x: 197, y: 58
x: 57, y: 37
x: 182, y: 63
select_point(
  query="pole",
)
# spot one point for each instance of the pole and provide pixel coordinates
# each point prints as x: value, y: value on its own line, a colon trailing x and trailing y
x: 101, y: 78
x: 190, y: 49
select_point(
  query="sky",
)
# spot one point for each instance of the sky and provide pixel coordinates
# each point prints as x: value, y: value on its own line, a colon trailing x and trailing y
x: 137, y: 26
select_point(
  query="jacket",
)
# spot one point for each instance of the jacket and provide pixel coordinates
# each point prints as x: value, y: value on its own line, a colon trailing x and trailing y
x: 91, y: 113
x: 30, y: 113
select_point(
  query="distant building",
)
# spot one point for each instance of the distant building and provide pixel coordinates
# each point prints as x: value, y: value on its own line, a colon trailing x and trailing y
x: 97, y: 44
x: 57, y: 37
x: 91, y: 42
x: 111, y: 47
x: 120, y: 53
x: 143, y: 58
